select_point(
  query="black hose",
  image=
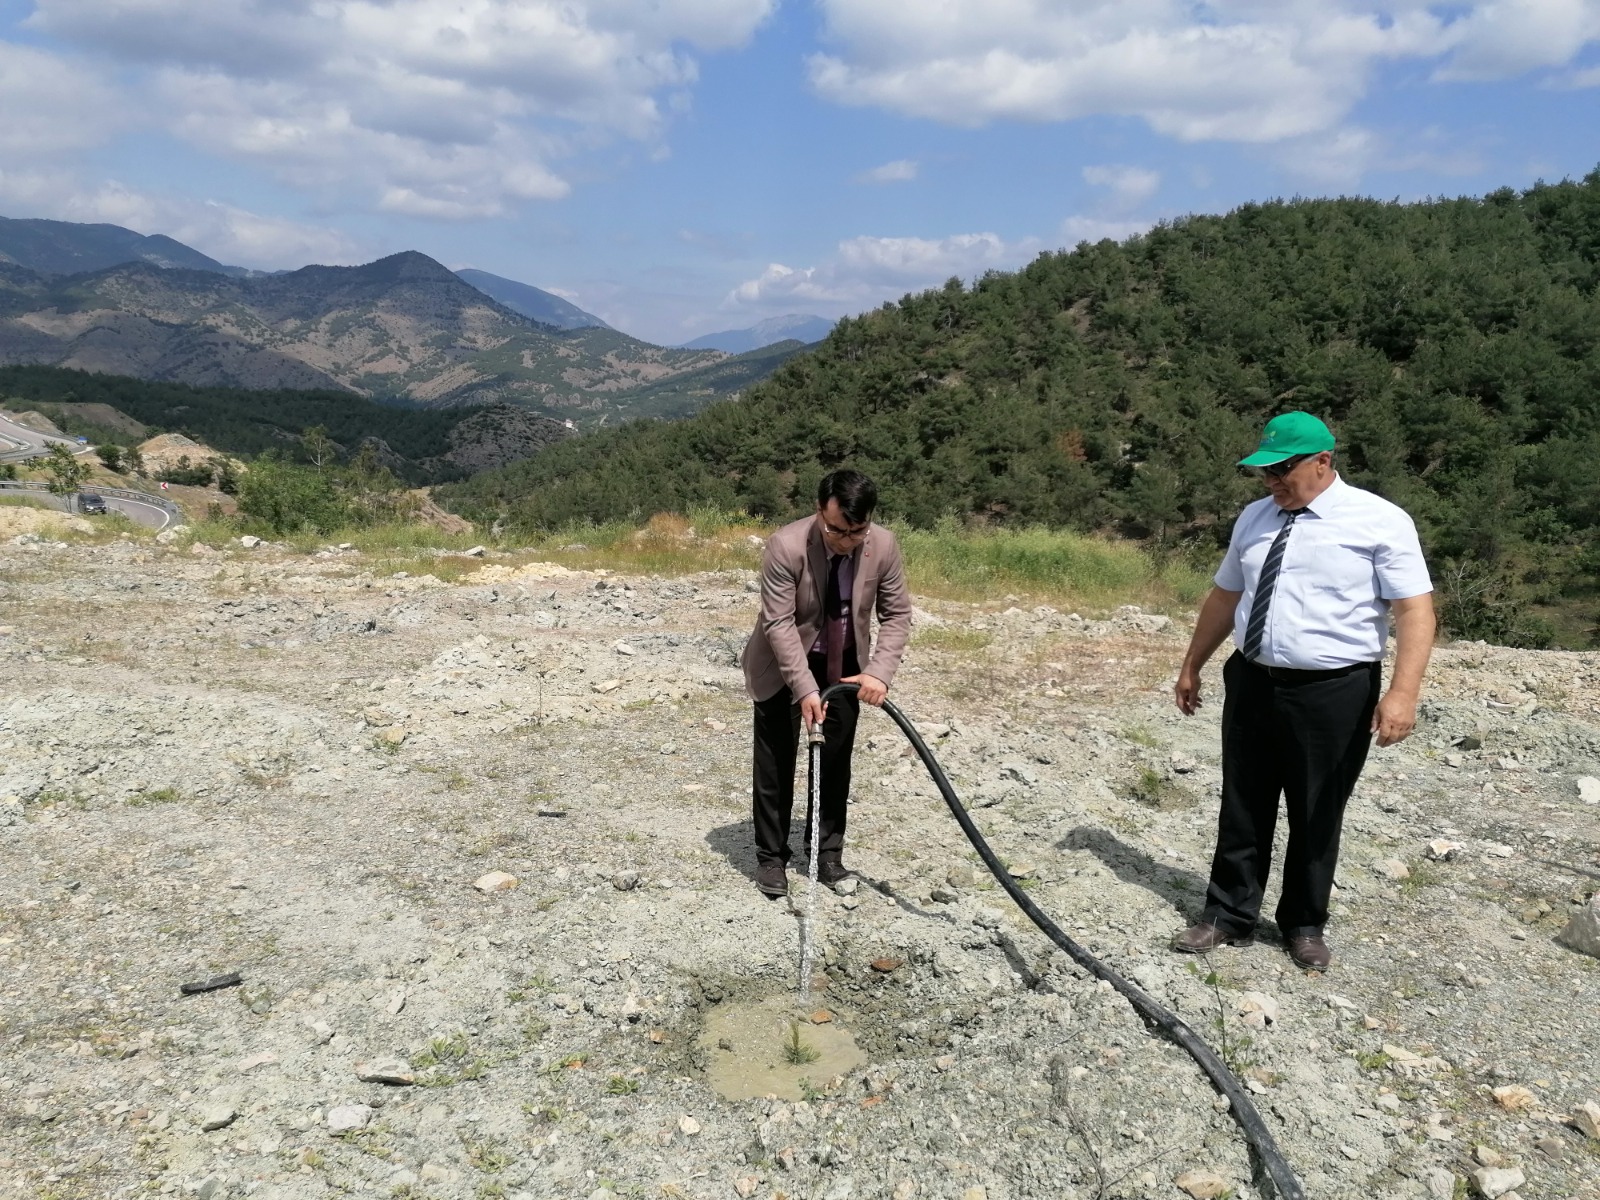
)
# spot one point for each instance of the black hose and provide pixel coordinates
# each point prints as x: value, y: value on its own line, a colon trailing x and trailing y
x: 1240, y: 1105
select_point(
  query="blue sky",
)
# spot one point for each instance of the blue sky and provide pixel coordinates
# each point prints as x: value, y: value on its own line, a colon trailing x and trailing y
x: 681, y: 166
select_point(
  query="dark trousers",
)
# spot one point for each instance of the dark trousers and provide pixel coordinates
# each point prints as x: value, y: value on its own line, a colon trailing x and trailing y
x: 777, y: 734
x: 1303, y: 739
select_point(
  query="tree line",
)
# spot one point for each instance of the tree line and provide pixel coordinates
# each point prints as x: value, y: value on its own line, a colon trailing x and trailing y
x: 1453, y: 345
x: 239, y: 421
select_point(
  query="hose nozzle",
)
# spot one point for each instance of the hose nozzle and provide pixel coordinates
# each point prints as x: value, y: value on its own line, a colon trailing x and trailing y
x: 814, y: 735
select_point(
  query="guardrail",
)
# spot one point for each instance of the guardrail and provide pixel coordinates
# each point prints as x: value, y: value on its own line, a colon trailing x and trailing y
x: 23, y: 485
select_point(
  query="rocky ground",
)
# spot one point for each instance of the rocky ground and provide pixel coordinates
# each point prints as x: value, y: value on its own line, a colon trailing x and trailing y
x: 222, y: 760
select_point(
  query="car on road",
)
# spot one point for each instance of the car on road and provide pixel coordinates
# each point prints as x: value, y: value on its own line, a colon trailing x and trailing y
x: 92, y: 505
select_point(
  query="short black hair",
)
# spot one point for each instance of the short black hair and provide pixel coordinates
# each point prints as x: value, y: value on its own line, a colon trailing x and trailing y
x: 857, y: 495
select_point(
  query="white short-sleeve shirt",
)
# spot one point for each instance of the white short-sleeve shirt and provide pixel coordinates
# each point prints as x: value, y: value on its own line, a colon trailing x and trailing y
x: 1348, y: 555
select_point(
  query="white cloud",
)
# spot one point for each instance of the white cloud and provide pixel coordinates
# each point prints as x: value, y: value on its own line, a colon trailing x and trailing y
x: 1240, y: 70
x: 52, y: 105
x: 864, y: 271
x: 1129, y: 186
x: 1077, y: 229
x: 1505, y: 38
x: 901, y: 170
x: 1335, y: 159
x: 1341, y: 158
x: 442, y: 108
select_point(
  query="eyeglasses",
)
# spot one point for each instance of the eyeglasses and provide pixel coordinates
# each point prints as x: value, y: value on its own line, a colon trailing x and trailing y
x: 847, y: 534
x: 1279, y: 469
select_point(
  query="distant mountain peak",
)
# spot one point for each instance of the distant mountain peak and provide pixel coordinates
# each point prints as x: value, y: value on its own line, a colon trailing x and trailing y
x: 70, y: 248
x: 534, y: 303
x: 413, y: 262
x: 800, y: 327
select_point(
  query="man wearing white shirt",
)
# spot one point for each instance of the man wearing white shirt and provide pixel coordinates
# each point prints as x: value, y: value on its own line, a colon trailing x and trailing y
x: 1312, y: 575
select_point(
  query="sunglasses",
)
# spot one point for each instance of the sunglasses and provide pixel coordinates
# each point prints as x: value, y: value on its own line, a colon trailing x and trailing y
x: 1279, y: 469
x: 858, y: 531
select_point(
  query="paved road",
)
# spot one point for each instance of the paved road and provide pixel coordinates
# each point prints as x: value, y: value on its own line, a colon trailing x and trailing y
x: 18, y: 442
x: 152, y: 516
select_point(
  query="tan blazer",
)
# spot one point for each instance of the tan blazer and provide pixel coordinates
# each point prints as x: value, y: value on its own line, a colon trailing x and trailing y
x: 794, y: 572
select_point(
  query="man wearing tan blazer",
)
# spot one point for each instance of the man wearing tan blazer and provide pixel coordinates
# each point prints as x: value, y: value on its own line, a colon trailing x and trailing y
x: 822, y: 578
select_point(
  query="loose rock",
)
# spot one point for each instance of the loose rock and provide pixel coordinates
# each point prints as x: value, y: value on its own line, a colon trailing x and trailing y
x: 1203, y: 1185
x: 1582, y: 932
x: 1515, y: 1098
x: 348, y: 1117
x: 1494, y: 1182
x: 393, y: 1071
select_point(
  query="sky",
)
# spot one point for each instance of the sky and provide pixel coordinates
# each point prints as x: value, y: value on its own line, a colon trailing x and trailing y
x: 682, y: 166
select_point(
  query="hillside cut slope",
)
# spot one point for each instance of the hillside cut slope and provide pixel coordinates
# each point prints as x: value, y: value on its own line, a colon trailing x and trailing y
x: 402, y: 328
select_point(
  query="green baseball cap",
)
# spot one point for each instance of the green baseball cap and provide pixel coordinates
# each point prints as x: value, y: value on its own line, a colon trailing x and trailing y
x: 1287, y: 435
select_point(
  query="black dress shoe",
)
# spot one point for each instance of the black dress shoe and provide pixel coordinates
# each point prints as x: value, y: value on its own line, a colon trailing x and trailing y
x: 1204, y: 937
x: 832, y: 871
x: 1310, y: 951
x: 772, y: 880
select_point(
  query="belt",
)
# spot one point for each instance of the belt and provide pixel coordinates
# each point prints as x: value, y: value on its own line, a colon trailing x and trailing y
x: 1295, y: 675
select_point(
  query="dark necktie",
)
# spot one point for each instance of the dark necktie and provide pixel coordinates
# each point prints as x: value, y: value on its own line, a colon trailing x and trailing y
x: 1257, y: 627
x: 833, y: 611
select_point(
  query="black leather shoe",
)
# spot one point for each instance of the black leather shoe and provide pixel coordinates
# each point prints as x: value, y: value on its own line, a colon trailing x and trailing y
x: 1310, y: 951
x: 832, y: 871
x: 772, y: 880
x: 1204, y: 937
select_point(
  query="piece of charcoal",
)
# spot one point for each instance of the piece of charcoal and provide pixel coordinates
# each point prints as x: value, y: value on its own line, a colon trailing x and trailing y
x: 552, y: 812
x: 211, y: 985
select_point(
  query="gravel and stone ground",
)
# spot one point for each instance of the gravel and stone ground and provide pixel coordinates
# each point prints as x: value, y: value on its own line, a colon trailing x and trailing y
x: 222, y: 760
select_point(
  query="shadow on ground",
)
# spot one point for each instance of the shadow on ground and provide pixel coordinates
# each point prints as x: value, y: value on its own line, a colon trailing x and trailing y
x: 1184, y: 890
x: 736, y: 843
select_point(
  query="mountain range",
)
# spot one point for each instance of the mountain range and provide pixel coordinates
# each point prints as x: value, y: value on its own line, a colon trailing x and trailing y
x: 797, y: 327
x: 404, y: 329
x: 68, y: 248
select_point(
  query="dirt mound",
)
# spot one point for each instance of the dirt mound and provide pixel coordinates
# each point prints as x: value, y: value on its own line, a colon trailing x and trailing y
x: 164, y: 450
x: 430, y: 513
x: 16, y: 519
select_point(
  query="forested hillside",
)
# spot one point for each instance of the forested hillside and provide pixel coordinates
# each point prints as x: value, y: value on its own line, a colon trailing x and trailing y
x: 1454, y: 345
x: 421, y: 445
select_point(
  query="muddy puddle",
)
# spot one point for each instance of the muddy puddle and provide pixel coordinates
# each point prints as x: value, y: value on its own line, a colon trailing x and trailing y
x: 775, y: 1046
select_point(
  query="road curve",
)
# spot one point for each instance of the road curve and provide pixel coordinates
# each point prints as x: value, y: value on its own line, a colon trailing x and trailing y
x: 19, y: 443
x: 151, y: 516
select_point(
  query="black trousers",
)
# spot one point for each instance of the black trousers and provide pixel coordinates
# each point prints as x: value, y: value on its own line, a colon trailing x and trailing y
x: 777, y: 734
x: 1304, y: 739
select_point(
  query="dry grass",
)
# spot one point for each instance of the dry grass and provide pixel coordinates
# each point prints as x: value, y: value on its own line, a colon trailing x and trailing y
x: 1027, y: 566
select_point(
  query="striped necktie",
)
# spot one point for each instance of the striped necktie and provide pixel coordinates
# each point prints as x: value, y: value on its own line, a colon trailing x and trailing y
x: 1257, y: 627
